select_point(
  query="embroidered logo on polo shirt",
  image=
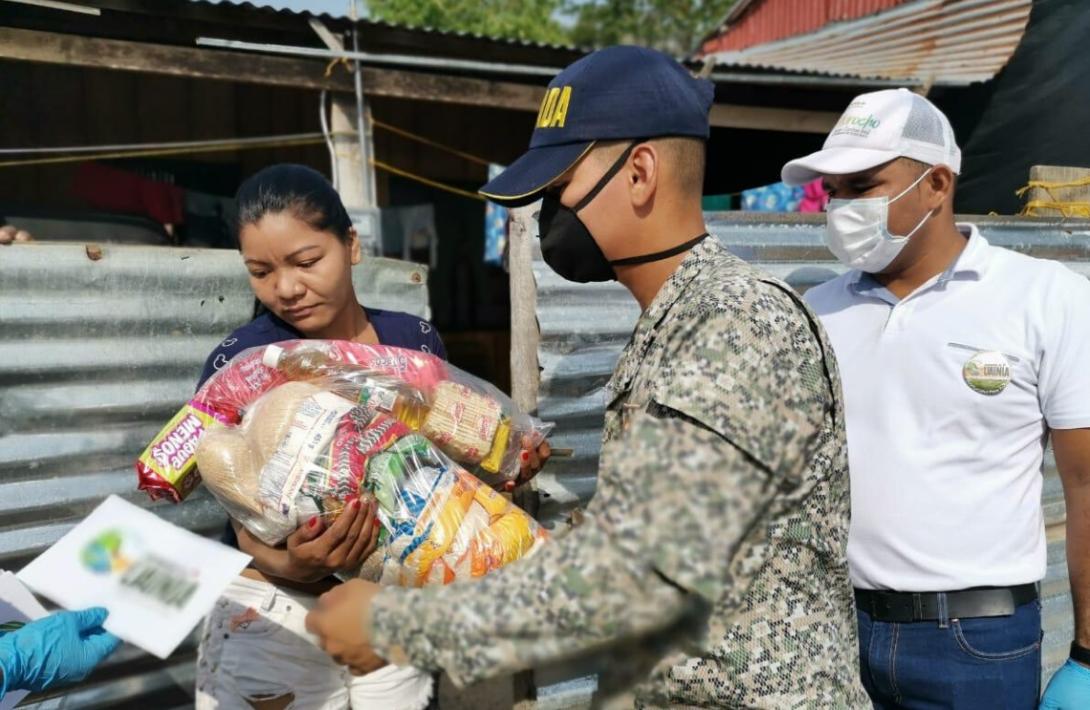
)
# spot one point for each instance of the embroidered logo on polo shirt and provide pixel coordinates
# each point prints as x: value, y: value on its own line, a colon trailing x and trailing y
x: 987, y: 372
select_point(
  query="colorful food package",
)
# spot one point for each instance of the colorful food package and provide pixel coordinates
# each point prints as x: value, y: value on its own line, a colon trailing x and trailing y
x: 467, y: 418
x: 302, y: 451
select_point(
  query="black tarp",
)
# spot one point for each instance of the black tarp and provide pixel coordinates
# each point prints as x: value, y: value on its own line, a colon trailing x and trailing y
x: 1035, y: 112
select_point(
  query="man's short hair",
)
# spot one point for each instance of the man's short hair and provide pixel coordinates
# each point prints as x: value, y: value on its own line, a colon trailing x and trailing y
x: 686, y: 157
x: 922, y: 167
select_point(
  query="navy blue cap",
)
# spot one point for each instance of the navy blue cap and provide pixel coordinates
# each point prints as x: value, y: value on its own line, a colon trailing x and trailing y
x: 615, y: 93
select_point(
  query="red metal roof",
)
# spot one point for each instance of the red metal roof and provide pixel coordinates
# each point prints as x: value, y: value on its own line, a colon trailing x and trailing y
x: 753, y: 22
x: 922, y: 42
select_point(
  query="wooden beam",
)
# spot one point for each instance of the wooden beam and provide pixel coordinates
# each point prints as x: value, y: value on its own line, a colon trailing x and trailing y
x: 452, y: 89
x: 75, y: 50
x: 221, y: 65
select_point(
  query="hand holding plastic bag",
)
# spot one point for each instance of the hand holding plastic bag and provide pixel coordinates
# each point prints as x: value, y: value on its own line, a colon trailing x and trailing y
x: 302, y: 452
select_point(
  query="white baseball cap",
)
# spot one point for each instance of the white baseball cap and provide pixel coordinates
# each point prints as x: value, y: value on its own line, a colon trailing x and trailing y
x: 876, y: 128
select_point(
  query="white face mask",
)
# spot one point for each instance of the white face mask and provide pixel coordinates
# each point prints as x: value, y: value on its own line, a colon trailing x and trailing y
x: 857, y: 231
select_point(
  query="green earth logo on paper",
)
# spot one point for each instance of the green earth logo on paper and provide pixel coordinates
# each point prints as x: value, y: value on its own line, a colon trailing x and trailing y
x: 103, y: 554
x: 121, y: 552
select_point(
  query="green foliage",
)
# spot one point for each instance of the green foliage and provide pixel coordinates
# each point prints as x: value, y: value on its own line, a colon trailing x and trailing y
x: 532, y: 21
x: 674, y: 26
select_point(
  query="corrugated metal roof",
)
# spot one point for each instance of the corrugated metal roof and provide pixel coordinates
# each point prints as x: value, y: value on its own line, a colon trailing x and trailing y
x: 585, y: 327
x: 94, y: 357
x: 944, y: 43
x: 380, y: 24
x: 180, y: 23
x: 752, y: 22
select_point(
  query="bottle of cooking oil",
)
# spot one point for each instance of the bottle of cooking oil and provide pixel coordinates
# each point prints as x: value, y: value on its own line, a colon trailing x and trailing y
x: 303, y: 362
x: 386, y: 394
x: 395, y: 398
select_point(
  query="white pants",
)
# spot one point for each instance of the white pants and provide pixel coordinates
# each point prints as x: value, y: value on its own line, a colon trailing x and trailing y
x: 255, y: 647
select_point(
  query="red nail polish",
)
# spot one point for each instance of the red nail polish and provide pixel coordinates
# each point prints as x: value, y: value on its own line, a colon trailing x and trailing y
x: 356, y: 504
x: 525, y: 456
x: 313, y: 522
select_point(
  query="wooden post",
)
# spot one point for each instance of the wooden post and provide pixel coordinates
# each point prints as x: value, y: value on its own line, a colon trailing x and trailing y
x: 525, y: 368
x: 525, y: 334
x: 352, y: 174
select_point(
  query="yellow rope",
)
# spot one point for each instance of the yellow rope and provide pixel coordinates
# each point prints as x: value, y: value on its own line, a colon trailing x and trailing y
x: 159, y: 152
x: 1064, y: 207
x: 272, y: 143
x: 427, y: 141
x: 1067, y: 209
x: 427, y: 181
x: 334, y: 62
x: 1048, y: 185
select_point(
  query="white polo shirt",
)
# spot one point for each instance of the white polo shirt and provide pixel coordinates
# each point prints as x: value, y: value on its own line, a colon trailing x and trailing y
x: 945, y: 476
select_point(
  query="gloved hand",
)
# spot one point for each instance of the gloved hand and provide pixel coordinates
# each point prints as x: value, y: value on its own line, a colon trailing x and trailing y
x: 61, y: 648
x: 1069, y: 688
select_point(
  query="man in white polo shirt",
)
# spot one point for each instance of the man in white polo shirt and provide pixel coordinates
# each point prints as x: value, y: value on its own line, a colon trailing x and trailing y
x: 960, y: 361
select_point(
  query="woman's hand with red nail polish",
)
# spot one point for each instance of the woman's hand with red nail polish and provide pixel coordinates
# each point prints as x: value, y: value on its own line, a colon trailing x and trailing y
x: 532, y: 459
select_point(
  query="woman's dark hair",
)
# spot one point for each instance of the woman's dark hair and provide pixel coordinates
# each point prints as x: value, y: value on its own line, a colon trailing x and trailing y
x: 298, y: 190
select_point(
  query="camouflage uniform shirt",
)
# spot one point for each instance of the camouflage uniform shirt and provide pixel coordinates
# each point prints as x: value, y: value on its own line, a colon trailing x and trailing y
x: 713, y: 554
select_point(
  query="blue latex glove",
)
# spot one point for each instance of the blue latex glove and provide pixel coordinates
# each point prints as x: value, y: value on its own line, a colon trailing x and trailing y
x: 1069, y: 688
x: 61, y: 648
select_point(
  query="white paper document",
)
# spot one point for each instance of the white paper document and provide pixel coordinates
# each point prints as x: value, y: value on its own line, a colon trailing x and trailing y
x: 156, y: 579
x: 17, y: 607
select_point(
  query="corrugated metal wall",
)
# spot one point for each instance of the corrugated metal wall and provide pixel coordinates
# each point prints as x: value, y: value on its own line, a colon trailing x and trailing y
x: 95, y: 355
x: 584, y: 329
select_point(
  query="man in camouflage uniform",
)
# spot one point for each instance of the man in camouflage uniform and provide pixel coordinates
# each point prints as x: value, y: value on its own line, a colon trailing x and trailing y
x: 715, y: 544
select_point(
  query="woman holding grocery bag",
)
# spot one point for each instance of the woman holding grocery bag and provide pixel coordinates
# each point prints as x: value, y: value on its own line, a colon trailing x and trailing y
x: 299, y: 246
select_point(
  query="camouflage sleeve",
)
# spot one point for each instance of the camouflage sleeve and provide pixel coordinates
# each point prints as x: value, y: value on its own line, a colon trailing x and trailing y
x: 730, y: 425
x: 674, y: 501
x: 577, y: 593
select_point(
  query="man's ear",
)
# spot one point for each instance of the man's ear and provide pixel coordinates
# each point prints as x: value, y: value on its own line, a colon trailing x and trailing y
x: 643, y: 173
x: 941, y: 184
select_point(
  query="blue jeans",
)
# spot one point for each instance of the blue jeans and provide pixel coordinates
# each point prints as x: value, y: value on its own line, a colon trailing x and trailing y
x: 988, y: 663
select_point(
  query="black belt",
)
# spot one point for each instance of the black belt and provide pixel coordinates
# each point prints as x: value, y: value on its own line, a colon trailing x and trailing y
x: 905, y: 607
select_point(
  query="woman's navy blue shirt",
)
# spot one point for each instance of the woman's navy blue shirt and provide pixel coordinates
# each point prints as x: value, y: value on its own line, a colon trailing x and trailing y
x: 400, y: 330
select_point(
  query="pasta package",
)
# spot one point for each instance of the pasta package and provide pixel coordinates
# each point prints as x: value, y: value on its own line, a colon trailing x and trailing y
x: 469, y: 420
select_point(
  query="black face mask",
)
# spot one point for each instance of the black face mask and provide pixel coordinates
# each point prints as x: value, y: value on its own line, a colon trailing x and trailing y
x: 568, y: 246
